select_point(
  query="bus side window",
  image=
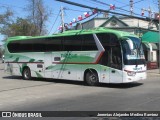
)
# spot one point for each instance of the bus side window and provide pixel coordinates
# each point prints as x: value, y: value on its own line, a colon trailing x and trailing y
x: 108, y: 39
x: 88, y: 43
x: 13, y: 47
x: 72, y: 43
x: 38, y: 45
x: 53, y: 44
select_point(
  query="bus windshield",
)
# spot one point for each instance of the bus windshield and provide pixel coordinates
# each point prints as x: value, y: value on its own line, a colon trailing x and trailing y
x: 132, y: 51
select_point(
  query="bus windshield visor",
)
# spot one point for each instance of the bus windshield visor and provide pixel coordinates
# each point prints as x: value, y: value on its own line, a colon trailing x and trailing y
x: 132, y: 50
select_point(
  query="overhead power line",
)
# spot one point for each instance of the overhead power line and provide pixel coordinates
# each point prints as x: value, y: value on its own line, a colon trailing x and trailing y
x: 54, y: 22
x: 102, y: 10
x: 120, y: 8
x: 74, y: 10
x: 91, y: 2
x: 85, y: 6
x: 108, y: 5
x: 133, y: 3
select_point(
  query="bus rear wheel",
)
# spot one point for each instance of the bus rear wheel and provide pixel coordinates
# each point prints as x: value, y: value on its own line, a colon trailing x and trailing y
x: 26, y: 74
x: 91, y: 78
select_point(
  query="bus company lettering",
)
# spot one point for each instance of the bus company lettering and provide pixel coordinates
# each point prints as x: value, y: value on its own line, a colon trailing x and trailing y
x: 136, y: 68
x: 66, y: 55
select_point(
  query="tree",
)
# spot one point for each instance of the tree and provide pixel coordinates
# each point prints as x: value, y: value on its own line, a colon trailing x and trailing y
x: 33, y: 25
x: 21, y: 27
x: 5, y: 20
x: 38, y: 15
x: 5, y: 17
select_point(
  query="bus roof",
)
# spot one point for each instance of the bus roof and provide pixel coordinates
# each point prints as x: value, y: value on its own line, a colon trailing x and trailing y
x: 76, y: 32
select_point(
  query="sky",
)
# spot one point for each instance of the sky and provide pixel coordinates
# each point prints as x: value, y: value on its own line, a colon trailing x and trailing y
x: 71, y: 12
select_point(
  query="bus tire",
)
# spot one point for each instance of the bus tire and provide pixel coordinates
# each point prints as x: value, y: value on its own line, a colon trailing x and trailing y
x: 26, y: 74
x: 91, y: 78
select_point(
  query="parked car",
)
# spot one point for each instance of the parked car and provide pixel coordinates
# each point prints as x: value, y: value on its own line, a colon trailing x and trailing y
x: 2, y: 58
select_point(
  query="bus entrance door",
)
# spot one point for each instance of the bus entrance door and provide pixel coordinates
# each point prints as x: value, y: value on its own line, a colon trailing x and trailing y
x: 115, y: 65
x: 48, y: 64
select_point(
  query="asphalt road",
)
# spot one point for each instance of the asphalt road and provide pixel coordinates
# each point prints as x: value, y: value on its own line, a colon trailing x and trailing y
x: 57, y: 95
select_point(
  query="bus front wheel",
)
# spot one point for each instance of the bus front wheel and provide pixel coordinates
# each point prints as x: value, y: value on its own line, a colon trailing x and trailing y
x: 26, y: 74
x: 91, y: 78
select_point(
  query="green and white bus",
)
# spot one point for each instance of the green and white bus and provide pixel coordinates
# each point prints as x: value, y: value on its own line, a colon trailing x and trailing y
x: 98, y: 55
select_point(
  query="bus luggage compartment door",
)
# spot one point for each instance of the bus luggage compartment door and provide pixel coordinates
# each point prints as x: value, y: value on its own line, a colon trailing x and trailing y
x: 48, y: 64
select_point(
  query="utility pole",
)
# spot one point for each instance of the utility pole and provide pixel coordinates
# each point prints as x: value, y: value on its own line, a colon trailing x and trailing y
x: 62, y: 19
x: 131, y: 7
x: 150, y: 12
x: 159, y: 34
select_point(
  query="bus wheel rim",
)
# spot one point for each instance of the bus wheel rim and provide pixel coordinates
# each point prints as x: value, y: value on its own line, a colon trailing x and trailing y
x: 92, y: 78
x: 26, y: 74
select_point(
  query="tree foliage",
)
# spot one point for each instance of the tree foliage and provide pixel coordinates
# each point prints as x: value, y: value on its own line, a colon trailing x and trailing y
x: 38, y: 15
x: 5, y: 17
x: 21, y: 27
x: 32, y: 25
x: 5, y: 20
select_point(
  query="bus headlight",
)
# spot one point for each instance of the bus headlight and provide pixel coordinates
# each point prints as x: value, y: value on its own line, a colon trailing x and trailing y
x: 130, y: 73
